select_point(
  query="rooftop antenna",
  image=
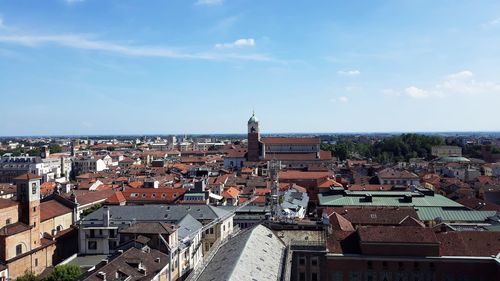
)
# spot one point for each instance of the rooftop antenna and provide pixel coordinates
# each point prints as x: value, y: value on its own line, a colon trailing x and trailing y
x: 274, y: 168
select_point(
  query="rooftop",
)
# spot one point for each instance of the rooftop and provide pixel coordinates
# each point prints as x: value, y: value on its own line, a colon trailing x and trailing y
x: 256, y: 253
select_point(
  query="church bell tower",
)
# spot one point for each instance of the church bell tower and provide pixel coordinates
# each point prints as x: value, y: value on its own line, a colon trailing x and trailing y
x: 253, y: 139
x: 28, y: 196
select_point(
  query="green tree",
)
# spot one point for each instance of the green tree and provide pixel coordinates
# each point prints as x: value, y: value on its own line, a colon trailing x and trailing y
x: 66, y: 272
x: 28, y: 276
x: 55, y: 148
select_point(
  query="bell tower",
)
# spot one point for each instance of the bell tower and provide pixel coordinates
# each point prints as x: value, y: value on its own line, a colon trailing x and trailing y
x: 28, y: 196
x: 253, y: 139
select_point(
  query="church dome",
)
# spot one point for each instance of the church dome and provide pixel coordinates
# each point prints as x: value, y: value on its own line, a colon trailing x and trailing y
x: 253, y: 119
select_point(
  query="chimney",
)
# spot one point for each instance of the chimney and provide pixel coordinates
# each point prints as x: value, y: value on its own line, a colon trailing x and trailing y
x: 407, y: 198
x: 101, y: 275
x: 106, y: 216
x: 368, y: 197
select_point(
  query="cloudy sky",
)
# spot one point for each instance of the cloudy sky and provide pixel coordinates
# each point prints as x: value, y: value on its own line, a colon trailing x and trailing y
x: 202, y: 66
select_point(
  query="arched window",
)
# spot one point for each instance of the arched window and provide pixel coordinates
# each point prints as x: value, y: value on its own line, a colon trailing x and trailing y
x: 19, y: 249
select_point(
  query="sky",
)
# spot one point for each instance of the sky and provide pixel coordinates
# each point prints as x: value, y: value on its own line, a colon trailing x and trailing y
x: 82, y: 67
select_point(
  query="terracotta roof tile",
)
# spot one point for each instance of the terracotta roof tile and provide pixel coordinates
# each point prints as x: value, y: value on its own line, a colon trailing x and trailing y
x: 51, y: 209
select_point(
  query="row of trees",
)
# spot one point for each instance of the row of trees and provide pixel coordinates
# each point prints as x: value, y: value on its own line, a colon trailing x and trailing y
x: 387, y: 150
x: 67, y: 272
x: 54, y: 148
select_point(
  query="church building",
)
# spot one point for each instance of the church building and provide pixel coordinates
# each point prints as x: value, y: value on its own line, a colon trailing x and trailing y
x: 32, y: 233
x: 293, y: 152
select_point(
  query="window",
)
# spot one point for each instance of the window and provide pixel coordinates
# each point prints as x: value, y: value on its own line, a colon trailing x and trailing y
x: 92, y: 245
x: 314, y: 261
x: 337, y: 276
x: 416, y: 265
x: 314, y: 276
x: 19, y: 249
x: 302, y: 276
x: 36, y: 262
x: 302, y: 260
x: 369, y: 265
x: 8, y: 221
x: 33, y: 188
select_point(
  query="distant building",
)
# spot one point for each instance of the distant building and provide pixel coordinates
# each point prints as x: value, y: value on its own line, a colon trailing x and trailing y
x: 398, y: 177
x: 446, y: 150
x: 293, y: 152
x: 88, y: 164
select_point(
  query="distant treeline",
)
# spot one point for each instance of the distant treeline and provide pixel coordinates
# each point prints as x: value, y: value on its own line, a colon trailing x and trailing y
x: 387, y: 150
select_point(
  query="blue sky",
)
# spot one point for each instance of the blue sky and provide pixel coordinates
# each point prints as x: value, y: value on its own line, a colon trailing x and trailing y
x: 202, y: 66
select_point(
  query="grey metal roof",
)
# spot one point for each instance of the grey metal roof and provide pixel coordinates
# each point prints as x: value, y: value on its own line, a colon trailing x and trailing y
x: 294, y: 200
x: 255, y: 254
x: 159, y: 213
x: 188, y: 226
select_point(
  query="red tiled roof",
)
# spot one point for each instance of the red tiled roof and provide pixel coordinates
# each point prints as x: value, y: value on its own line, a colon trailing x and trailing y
x: 469, y: 243
x: 116, y: 199
x: 85, y: 197
x: 231, y: 192
x: 370, y: 187
x: 289, y: 140
x: 51, y: 209
x: 135, y: 184
x: 47, y: 187
x: 14, y: 228
x: 163, y: 194
x: 479, y: 204
x: 401, y: 234
x: 236, y: 153
x: 390, y: 173
x: 28, y: 176
x: 374, y: 215
x: 329, y: 183
x: 291, y: 175
x: 338, y: 222
x: 7, y: 203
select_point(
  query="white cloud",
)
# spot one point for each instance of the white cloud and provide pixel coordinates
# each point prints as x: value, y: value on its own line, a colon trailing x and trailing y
x: 493, y: 22
x: 250, y: 42
x: 342, y: 99
x: 462, y: 82
x: 349, y: 72
x: 85, y: 43
x: 460, y: 75
x: 415, y: 92
x: 209, y: 2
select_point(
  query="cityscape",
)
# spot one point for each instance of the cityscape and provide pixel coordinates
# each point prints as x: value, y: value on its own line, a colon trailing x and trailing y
x: 207, y: 140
